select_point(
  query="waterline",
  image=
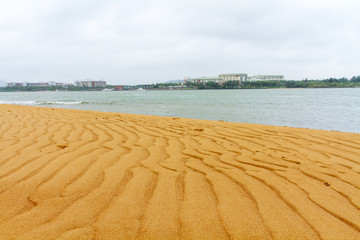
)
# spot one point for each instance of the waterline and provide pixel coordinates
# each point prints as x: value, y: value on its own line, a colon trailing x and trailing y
x: 329, y: 109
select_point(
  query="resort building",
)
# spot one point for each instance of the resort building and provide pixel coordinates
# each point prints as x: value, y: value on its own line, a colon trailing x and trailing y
x: 266, y: 78
x: 17, y: 84
x: 241, y: 77
x: 90, y: 83
x: 204, y: 79
x: 38, y: 84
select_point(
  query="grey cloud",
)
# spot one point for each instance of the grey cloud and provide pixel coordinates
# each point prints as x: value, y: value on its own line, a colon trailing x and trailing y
x: 153, y: 41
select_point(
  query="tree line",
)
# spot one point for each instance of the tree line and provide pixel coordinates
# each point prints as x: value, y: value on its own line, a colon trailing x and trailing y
x: 325, y: 83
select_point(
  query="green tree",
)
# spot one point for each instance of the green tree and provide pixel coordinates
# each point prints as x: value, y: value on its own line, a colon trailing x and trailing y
x: 212, y: 85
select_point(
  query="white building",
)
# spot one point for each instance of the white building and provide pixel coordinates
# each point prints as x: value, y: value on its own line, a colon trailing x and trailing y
x: 241, y: 77
x: 37, y: 84
x: 204, y: 80
x: 266, y: 78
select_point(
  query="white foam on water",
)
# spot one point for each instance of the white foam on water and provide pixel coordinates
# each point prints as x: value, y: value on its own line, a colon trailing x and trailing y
x: 19, y: 102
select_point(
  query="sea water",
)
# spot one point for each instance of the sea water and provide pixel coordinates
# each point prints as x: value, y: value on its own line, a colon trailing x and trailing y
x: 329, y: 109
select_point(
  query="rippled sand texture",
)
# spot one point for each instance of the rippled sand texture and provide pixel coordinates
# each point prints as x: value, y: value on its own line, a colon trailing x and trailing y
x: 68, y: 174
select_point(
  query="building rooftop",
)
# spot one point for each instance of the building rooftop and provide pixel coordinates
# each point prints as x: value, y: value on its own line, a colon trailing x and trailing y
x: 228, y: 74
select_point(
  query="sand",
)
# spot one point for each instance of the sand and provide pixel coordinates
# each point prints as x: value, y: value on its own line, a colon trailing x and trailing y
x: 67, y: 174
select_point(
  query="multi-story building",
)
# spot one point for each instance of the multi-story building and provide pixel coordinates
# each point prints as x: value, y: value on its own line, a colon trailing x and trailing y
x: 241, y: 77
x: 17, y: 84
x: 204, y: 79
x: 38, y: 84
x: 266, y: 78
x: 90, y: 83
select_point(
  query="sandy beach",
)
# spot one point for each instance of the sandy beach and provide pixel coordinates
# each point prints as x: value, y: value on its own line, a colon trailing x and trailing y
x: 68, y: 174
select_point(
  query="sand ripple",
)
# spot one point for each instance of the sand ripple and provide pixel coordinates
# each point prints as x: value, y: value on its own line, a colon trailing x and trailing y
x: 68, y: 174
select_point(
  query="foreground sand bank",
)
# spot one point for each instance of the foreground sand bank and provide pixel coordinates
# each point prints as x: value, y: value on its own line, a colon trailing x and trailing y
x: 68, y: 174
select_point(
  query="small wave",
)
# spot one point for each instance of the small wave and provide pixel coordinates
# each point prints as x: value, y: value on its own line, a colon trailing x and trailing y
x: 101, y: 103
x: 56, y: 103
x: 73, y: 103
x: 40, y: 102
x: 19, y: 102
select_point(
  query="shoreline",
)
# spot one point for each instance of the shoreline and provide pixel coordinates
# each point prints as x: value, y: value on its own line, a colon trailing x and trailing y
x: 176, y: 117
x: 178, y: 89
x: 72, y: 174
x: 77, y: 105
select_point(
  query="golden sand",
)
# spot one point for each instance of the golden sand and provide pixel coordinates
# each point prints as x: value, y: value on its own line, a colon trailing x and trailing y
x: 67, y: 174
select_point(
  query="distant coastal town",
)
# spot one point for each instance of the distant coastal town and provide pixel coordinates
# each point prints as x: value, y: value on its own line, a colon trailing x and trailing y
x: 86, y: 83
x: 241, y: 79
x: 222, y: 81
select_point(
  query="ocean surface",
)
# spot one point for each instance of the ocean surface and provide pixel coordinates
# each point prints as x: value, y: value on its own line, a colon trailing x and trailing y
x: 329, y: 109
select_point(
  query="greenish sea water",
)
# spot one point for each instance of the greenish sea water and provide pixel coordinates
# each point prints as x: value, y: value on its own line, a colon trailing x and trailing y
x: 328, y: 109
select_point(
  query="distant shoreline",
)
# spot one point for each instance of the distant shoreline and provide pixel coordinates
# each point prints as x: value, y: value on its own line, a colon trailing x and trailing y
x: 165, y: 89
x: 354, y: 82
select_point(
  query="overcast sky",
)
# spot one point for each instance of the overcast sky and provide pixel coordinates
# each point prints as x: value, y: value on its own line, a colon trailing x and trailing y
x: 139, y: 41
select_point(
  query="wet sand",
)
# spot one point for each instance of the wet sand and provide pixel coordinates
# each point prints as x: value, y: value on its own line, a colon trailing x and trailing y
x: 68, y: 174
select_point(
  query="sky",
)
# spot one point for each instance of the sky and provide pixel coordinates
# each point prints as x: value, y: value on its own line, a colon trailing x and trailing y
x: 144, y: 42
